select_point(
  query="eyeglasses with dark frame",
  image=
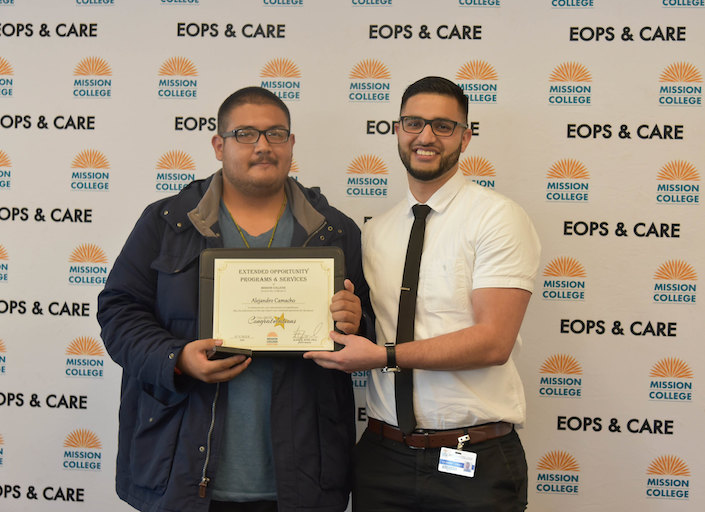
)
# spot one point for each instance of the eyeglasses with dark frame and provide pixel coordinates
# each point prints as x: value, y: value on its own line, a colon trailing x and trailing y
x: 252, y: 135
x: 440, y: 127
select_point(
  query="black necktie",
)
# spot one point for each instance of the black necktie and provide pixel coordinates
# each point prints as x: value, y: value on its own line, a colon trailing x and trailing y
x: 404, y: 380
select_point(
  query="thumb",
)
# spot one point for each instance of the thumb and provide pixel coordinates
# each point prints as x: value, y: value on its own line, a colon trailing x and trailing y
x: 349, y: 286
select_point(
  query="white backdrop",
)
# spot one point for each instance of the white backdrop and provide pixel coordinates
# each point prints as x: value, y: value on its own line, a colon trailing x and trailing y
x: 586, y: 112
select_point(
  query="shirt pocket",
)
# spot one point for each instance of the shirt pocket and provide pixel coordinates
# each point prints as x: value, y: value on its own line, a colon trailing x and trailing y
x: 442, y: 286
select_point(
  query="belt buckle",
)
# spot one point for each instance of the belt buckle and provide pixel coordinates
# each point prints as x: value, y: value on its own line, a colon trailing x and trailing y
x: 427, y: 442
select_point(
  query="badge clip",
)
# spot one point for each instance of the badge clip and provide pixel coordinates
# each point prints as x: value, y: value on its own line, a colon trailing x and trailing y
x: 462, y: 440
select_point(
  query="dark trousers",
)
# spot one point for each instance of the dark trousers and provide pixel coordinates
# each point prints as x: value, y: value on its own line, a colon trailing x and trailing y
x: 252, y: 506
x: 391, y: 477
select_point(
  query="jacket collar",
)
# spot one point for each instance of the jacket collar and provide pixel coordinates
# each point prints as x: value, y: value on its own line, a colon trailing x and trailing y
x: 204, y: 216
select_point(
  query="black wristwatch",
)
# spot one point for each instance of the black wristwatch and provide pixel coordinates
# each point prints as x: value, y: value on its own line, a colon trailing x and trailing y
x: 391, y: 359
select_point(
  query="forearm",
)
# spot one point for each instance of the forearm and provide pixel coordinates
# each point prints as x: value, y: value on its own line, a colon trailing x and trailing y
x: 467, y: 349
x: 498, y: 315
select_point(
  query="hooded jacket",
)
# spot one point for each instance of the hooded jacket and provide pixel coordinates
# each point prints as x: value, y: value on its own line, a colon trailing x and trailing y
x: 170, y: 428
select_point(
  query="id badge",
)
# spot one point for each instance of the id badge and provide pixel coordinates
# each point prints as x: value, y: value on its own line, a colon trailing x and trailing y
x: 457, y: 462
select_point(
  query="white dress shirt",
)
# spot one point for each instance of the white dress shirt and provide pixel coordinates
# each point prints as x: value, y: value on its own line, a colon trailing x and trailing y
x: 475, y: 238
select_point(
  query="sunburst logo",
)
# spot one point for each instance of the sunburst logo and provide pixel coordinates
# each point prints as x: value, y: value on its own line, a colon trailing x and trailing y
x: 671, y: 381
x: 567, y: 181
x: 370, y: 69
x: 93, y: 66
x: 565, y: 279
x: 676, y: 270
x: 683, y: 72
x: 175, y: 170
x: 558, y: 473
x: 477, y: 78
x: 668, y: 465
x: 6, y: 80
x: 4, y: 160
x: 178, y: 66
x: 678, y: 170
x: 90, y: 159
x: 82, y: 438
x: 176, y: 160
x: 476, y: 70
x: 680, y: 188
x: 91, y: 171
x: 283, y: 77
x: 280, y: 68
x: 574, y: 89
x: 479, y: 170
x: 82, y: 451
x: 5, y: 67
x: 674, y: 283
x: 671, y: 368
x: 563, y: 364
x: 183, y: 87
x: 477, y: 166
x: 369, y: 82
x: 367, y: 177
x: 3, y: 254
x: 88, y: 265
x: 367, y: 164
x: 88, y: 253
x: 564, y: 266
x: 570, y: 72
x: 92, y: 78
x: 84, y: 358
x: 5, y: 171
x: 569, y: 385
x: 85, y: 346
x: 568, y: 169
x: 3, y: 348
x: 688, y: 93
x: 668, y: 477
x: 557, y: 460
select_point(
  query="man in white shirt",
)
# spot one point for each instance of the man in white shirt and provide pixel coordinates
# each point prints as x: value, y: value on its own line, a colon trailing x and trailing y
x: 480, y: 258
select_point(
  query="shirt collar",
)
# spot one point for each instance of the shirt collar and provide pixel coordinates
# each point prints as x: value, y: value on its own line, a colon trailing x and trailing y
x: 442, y: 197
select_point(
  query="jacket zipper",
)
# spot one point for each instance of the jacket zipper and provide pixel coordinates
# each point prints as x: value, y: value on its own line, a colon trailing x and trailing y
x: 204, y: 479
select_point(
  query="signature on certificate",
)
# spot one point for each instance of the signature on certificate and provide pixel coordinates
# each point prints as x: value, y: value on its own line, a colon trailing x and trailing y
x: 303, y: 336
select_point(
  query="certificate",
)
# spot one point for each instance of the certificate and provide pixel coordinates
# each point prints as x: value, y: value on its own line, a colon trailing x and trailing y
x: 272, y: 301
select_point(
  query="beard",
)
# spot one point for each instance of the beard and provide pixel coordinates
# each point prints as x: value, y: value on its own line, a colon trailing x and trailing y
x: 446, y: 164
x: 262, y: 186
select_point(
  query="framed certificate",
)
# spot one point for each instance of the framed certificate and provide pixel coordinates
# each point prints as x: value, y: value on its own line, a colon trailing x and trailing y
x: 269, y: 301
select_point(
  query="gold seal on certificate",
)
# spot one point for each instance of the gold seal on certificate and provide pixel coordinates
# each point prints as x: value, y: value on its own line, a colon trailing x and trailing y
x: 274, y: 301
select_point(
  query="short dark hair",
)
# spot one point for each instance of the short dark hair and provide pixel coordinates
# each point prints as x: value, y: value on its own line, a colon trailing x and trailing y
x: 436, y: 85
x: 250, y: 95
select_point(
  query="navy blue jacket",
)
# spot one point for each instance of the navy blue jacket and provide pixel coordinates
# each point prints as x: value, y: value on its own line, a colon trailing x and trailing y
x: 170, y: 426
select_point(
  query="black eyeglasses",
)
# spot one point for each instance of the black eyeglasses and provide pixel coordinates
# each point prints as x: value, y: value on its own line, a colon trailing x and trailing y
x: 440, y: 127
x: 251, y: 135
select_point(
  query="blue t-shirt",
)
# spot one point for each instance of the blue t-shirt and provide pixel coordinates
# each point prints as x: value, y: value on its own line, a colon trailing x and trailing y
x: 245, y: 470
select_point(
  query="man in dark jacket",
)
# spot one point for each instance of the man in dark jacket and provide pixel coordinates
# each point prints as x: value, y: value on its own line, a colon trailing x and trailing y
x: 240, y: 433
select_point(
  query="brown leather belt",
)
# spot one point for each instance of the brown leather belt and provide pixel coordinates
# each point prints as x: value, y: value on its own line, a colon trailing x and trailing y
x: 440, y: 438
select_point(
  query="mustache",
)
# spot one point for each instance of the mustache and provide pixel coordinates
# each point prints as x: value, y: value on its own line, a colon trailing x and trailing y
x: 263, y: 160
